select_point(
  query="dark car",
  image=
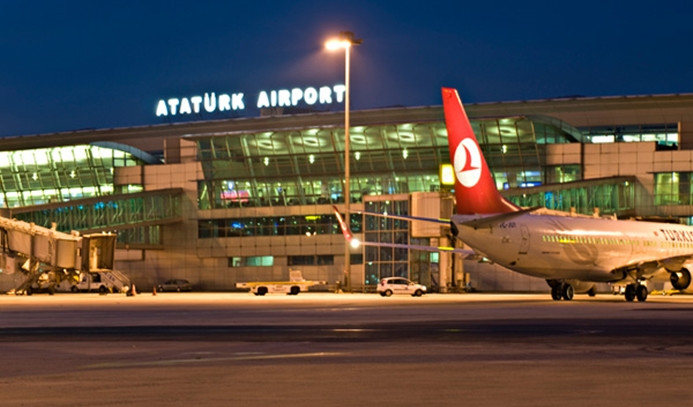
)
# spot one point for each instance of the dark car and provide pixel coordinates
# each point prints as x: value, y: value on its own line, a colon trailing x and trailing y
x: 176, y: 284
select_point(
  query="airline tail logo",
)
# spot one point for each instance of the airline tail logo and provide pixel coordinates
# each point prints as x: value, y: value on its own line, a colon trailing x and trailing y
x: 467, y: 163
x: 475, y: 189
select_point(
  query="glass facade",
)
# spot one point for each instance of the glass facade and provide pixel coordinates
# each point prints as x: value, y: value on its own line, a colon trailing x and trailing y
x: 59, y: 174
x: 673, y: 188
x: 381, y: 262
x: 251, y: 261
x: 272, y: 226
x: 306, y: 166
x: 617, y: 195
x: 666, y: 135
x: 73, y: 186
x: 513, y: 148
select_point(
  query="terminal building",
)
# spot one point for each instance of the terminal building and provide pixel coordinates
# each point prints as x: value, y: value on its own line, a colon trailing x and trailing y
x: 219, y: 202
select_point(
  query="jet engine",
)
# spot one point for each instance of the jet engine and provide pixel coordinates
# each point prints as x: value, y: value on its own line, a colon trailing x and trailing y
x: 681, y: 279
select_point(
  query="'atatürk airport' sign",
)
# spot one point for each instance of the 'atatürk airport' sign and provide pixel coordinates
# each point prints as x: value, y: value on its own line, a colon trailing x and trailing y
x: 211, y: 102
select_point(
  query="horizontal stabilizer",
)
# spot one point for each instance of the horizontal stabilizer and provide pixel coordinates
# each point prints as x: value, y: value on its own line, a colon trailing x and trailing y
x: 406, y: 217
x: 491, y: 220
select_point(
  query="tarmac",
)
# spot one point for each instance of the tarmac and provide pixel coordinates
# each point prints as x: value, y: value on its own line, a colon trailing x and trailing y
x: 175, y: 349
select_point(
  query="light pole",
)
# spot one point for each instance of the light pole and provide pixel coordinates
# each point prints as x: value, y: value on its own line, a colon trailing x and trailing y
x: 345, y: 40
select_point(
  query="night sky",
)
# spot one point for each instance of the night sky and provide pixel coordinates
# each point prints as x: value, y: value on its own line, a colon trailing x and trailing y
x: 71, y: 65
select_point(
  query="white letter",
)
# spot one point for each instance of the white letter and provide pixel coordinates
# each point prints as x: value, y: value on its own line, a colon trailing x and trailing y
x: 237, y: 101
x: 173, y: 103
x: 284, y: 97
x: 196, y: 101
x: 296, y: 96
x: 262, y: 100
x: 273, y: 97
x: 184, y: 106
x: 161, y: 109
x: 339, y: 91
x: 210, y: 102
x: 325, y: 94
x: 224, y: 102
x: 310, y: 96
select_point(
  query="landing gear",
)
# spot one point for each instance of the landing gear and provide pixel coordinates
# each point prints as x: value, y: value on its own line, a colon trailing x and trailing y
x: 634, y: 291
x: 641, y: 293
x: 562, y: 291
x: 556, y: 292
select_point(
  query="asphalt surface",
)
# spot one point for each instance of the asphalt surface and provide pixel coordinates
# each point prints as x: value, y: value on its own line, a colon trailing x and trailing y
x: 344, y: 350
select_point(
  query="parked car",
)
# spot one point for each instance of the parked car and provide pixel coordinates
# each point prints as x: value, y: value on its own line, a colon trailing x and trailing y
x: 176, y: 284
x: 400, y: 285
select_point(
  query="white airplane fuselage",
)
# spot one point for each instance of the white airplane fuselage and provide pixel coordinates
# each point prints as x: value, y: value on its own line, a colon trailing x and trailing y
x: 577, y: 247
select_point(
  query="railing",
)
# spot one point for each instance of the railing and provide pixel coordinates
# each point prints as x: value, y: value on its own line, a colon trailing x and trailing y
x: 107, y: 213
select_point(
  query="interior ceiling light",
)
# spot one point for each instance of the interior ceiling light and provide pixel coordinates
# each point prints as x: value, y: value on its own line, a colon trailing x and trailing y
x: 267, y: 144
x: 309, y: 141
x: 404, y: 137
x: 359, y: 139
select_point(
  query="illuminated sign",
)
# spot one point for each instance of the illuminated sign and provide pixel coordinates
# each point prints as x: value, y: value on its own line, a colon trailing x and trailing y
x: 447, y: 174
x: 212, y: 102
x: 234, y: 195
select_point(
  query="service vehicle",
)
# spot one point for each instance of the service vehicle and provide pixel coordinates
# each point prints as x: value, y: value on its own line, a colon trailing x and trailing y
x: 111, y: 282
x: 295, y: 285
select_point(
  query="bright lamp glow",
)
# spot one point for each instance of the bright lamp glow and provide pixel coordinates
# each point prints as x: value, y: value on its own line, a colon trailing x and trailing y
x: 335, y: 44
x: 355, y: 243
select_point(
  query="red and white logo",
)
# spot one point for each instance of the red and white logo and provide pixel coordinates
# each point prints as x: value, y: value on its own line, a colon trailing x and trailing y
x: 467, y: 163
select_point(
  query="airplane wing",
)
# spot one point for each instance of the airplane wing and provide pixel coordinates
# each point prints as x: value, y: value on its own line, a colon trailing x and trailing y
x: 679, y: 276
x: 646, y: 268
x: 349, y: 236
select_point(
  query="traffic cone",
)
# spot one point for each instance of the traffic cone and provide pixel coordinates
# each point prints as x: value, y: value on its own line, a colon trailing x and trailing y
x: 133, y: 291
x: 153, y: 290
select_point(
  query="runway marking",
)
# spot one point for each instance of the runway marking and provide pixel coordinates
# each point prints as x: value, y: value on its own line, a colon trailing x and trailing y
x: 353, y: 330
x: 240, y: 357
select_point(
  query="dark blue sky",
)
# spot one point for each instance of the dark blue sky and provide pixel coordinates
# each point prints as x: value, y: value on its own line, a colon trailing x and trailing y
x: 68, y: 65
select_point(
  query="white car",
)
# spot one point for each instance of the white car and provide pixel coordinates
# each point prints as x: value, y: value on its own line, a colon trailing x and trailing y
x: 400, y: 285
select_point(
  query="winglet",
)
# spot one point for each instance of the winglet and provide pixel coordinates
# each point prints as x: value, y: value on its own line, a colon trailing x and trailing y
x: 342, y: 224
x: 475, y: 189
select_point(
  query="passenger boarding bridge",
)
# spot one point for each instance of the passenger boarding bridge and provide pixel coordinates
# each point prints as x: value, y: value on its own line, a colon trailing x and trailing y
x: 135, y: 217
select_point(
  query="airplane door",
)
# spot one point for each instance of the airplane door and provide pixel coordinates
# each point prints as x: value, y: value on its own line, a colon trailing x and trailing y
x: 524, y: 241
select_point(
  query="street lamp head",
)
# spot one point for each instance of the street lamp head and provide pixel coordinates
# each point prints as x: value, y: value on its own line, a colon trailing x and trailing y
x: 345, y: 40
x: 335, y: 44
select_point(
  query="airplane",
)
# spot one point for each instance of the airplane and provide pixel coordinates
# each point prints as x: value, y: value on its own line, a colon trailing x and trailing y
x: 571, y: 252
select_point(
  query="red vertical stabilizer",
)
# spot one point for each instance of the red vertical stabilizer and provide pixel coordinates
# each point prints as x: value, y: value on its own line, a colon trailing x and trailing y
x: 475, y: 190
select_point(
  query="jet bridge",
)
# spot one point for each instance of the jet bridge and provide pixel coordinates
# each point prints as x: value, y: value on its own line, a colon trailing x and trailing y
x: 46, y: 257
